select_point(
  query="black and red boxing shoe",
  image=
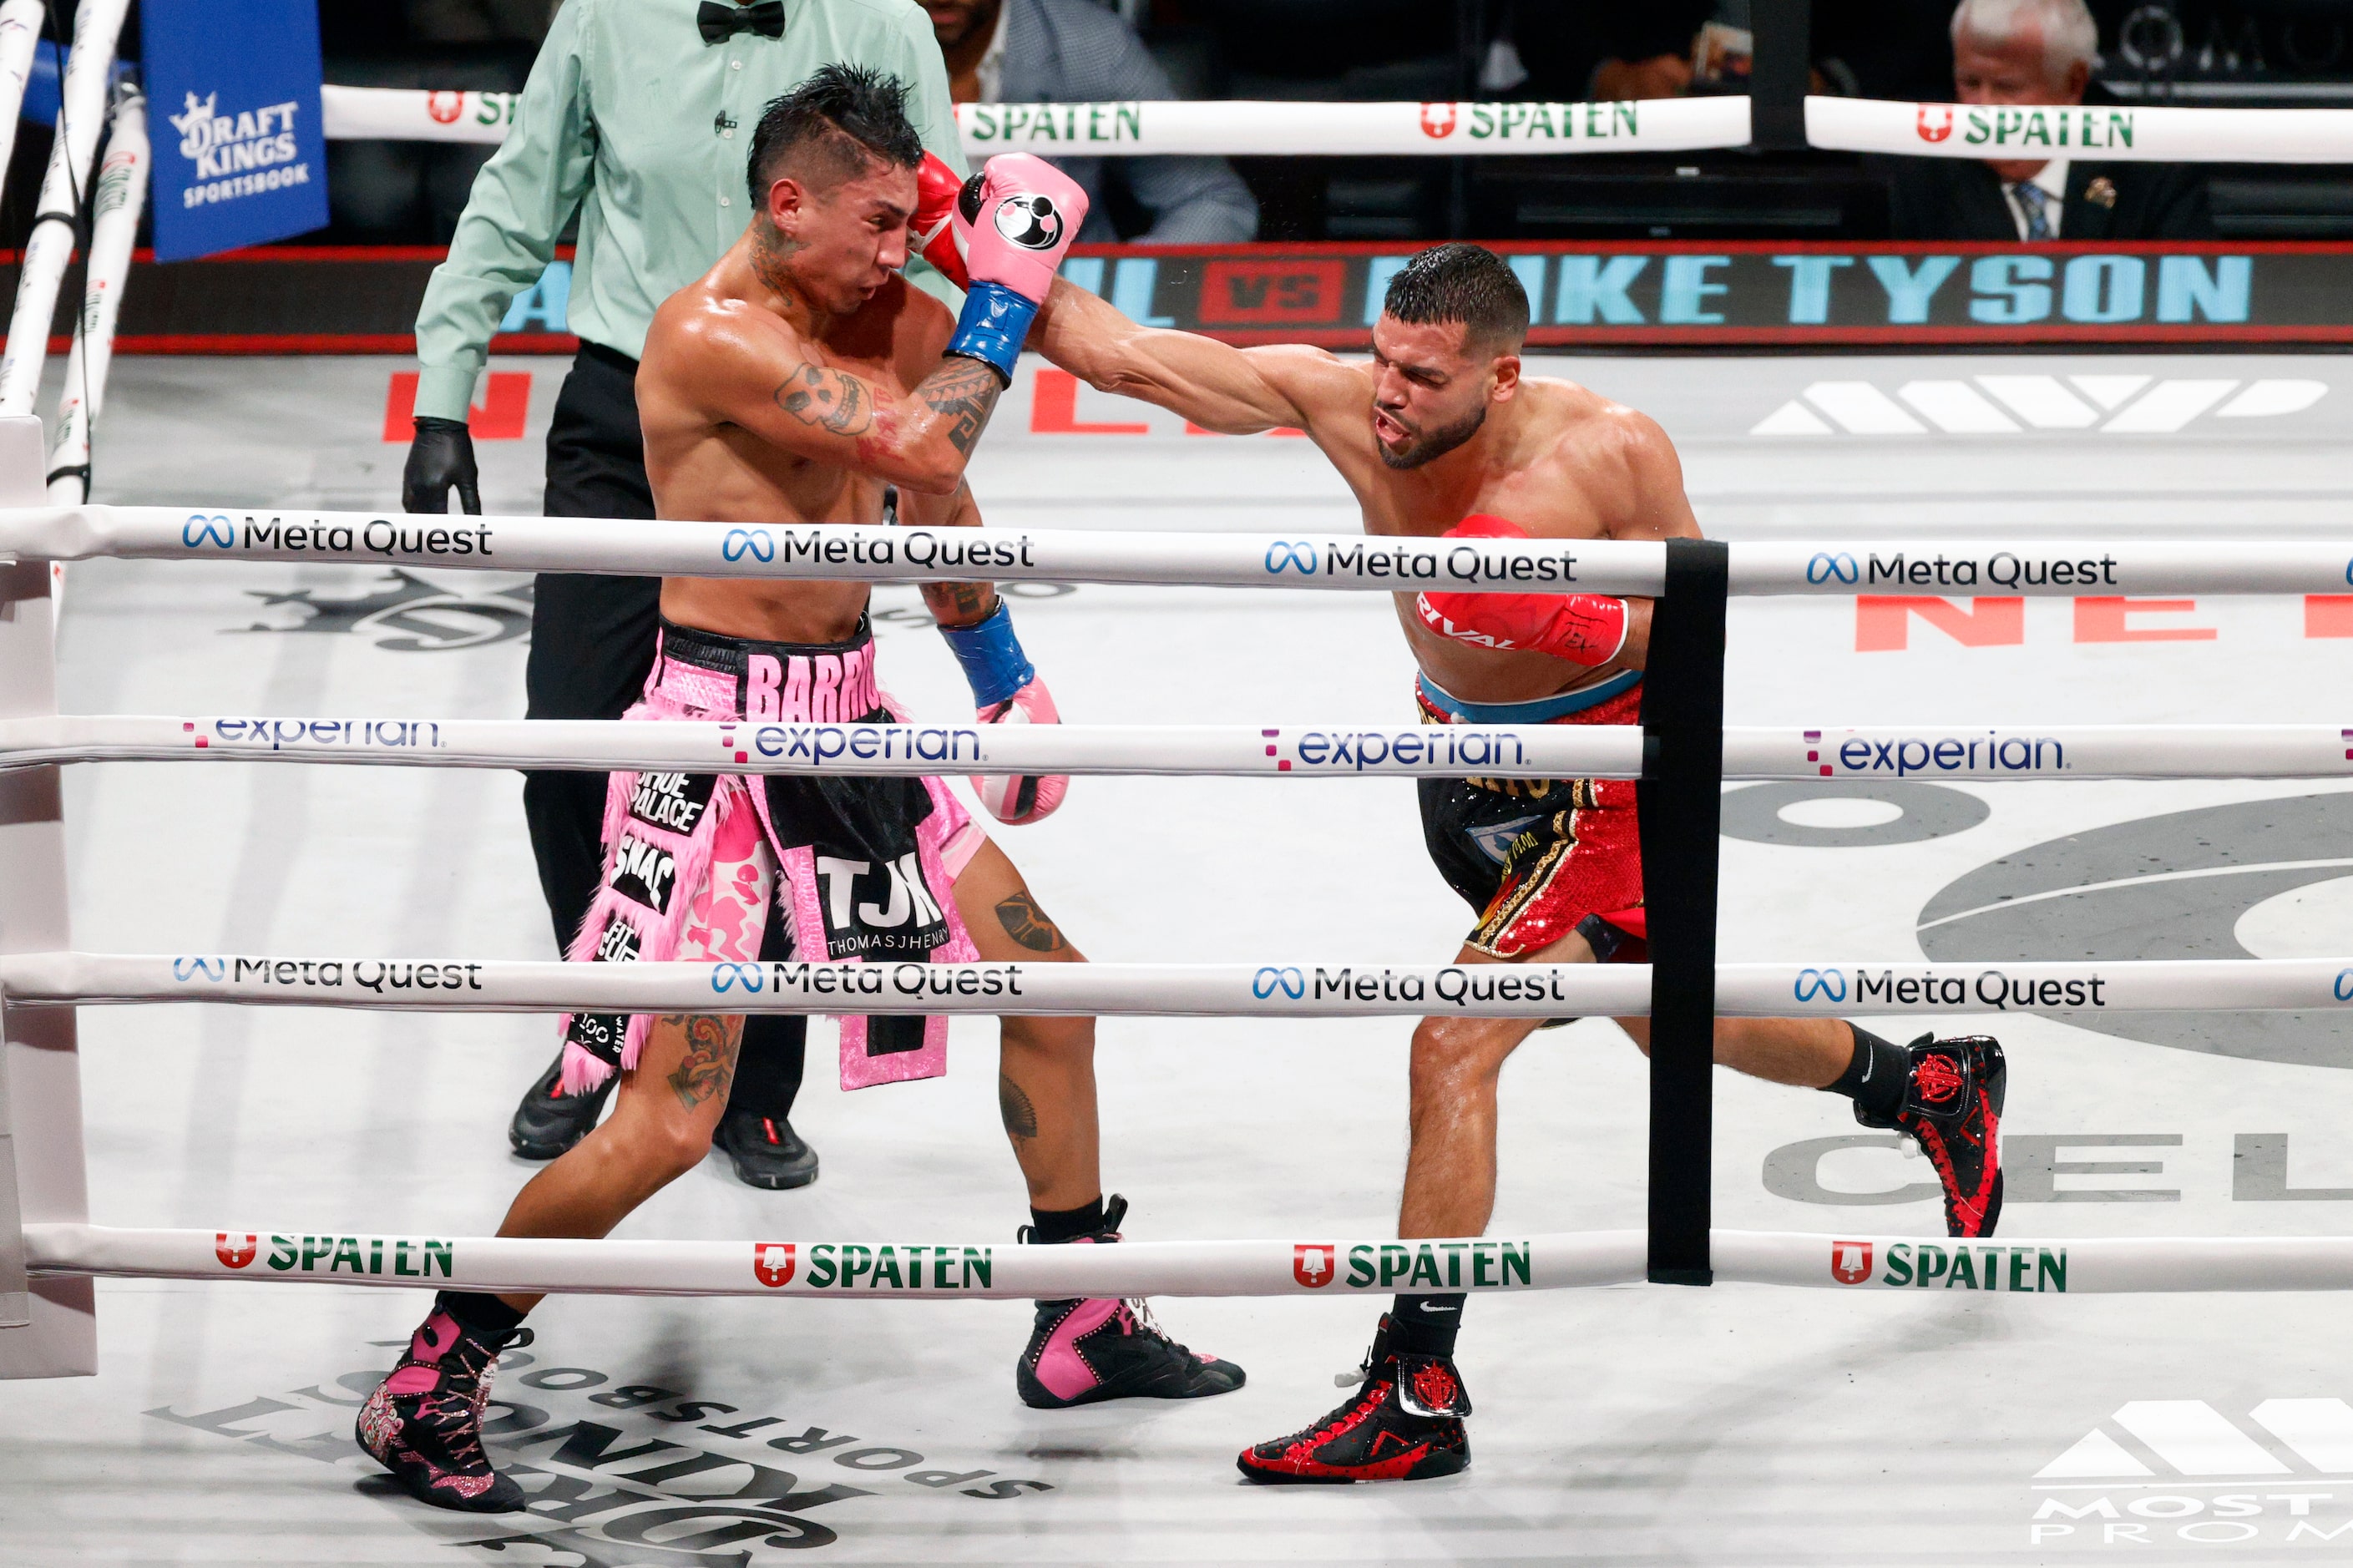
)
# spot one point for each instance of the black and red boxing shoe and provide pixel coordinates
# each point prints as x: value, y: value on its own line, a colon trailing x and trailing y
x: 424, y: 1422
x: 1404, y: 1424
x: 1952, y: 1108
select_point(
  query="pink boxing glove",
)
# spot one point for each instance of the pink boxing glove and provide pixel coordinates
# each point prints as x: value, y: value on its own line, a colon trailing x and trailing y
x: 1017, y: 798
x: 1018, y: 217
x: 1015, y: 220
x: 1583, y: 628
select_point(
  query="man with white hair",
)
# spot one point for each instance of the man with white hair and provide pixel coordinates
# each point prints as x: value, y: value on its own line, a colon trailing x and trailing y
x: 2020, y: 52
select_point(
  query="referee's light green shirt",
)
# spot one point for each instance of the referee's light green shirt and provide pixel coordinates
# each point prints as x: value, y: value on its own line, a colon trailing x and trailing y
x: 632, y: 120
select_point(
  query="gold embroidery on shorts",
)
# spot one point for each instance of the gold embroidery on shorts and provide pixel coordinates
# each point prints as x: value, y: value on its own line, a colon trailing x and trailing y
x: 1556, y: 839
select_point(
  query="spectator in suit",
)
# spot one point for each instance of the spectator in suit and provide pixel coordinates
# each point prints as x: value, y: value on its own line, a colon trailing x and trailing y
x: 2037, y: 52
x: 1074, y: 51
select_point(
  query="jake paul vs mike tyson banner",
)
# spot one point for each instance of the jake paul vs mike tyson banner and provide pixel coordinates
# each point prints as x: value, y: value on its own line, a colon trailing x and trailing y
x: 1580, y: 295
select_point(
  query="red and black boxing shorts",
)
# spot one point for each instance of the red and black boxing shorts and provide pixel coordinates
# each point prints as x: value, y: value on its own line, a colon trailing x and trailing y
x: 1538, y: 858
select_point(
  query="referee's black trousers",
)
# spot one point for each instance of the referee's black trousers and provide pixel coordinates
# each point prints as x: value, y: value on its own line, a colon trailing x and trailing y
x: 591, y: 644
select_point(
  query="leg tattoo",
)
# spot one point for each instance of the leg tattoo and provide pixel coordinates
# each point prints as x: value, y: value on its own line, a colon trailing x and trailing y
x: 711, y: 1044
x: 1027, y: 924
x: 1020, y: 1116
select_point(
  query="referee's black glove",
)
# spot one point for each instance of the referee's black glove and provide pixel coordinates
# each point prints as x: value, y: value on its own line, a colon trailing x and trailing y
x: 441, y: 456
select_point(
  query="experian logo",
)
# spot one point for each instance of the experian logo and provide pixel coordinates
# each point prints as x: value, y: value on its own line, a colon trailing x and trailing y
x: 1990, y: 754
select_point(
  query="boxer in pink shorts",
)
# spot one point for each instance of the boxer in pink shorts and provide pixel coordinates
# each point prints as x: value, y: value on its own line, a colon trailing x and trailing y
x: 797, y: 383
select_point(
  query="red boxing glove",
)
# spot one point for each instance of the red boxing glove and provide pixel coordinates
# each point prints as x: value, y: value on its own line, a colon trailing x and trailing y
x: 1583, y: 628
x: 936, y: 189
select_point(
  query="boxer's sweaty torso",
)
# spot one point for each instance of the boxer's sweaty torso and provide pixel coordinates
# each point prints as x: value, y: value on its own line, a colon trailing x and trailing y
x: 721, y: 473
x: 1541, y: 484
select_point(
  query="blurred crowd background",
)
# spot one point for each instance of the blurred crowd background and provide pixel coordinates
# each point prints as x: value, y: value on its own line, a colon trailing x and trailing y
x: 2235, y: 53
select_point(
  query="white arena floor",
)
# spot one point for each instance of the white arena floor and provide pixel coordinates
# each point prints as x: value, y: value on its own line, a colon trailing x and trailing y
x: 1738, y: 1425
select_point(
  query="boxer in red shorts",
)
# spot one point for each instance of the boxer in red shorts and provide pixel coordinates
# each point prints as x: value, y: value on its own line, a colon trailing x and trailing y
x: 1440, y: 434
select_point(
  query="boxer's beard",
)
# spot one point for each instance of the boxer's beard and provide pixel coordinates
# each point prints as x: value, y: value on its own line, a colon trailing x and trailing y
x: 1435, y: 444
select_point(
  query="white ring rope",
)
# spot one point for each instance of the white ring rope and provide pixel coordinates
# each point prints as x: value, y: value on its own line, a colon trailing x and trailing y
x: 2036, y: 567
x: 120, y: 194
x: 1971, y: 751
x: 2106, y: 133
x: 872, y: 750
x: 1280, y: 988
x: 816, y: 1268
x: 1158, y: 127
x: 1241, y: 128
x: 805, y: 552
x: 89, y: 64
x: 21, y: 21
x: 901, y: 1270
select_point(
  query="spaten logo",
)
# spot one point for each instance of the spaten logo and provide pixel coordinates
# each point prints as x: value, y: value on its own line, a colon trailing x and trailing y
x: 1438, y: 119
x: 234, y: 1250
x: 758, y: 542
x: 1850, y: 1261
x: 202, y: 530
x: 1825, y: 983
x: 1934, y: 121
x: 1289, y: 982
x: 1313, y: 1263
x: 1283, y: 553
x: 773, y: 1263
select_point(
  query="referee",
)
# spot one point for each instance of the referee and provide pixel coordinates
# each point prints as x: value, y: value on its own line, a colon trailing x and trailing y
x: 635, y: 120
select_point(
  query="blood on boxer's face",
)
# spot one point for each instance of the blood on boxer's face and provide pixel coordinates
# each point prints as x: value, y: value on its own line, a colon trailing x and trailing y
x: 1433, y: 388
x: 838, y: 241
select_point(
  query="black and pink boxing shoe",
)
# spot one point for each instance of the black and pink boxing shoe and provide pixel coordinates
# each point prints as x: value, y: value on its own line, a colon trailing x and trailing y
x: 424, y: 1422
x: 1085, y: 1351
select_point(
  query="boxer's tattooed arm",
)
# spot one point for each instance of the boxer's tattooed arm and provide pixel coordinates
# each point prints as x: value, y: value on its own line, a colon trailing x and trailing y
x: 1027, y: 924
x: 960, y: 603
x: 710, y: 1061
x: 829, y: 399
x: 1020, y: 1116
x: 963, y: 393
x: 954, y: 604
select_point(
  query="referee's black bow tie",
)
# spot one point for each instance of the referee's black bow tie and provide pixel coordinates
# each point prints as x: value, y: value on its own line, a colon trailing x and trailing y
x: 721, y: 22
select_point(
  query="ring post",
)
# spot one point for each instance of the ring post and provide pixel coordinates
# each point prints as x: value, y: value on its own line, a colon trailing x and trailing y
x: 1779, y: 73
x: 1679, y: 803
x: 41, y: 1173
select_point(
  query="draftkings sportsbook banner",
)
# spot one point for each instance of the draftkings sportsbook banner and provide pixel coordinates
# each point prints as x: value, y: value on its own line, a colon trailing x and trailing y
x: 305, y: 300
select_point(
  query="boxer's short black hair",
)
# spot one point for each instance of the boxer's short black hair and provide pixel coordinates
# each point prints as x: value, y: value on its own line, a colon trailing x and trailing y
x: 1466, y: 283
x: 829, y: 128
